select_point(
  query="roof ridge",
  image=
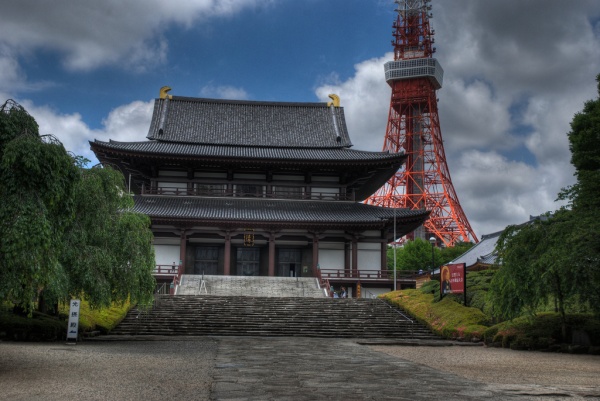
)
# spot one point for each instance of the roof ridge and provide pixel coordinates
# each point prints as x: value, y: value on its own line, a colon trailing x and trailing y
x: 247, y: 102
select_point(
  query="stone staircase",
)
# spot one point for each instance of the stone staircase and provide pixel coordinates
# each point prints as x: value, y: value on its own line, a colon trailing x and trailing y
x: 256, y: 286
x: 199, y: 315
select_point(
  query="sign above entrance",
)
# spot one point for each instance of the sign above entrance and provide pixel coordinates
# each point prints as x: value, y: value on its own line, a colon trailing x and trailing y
x: 249, y: 237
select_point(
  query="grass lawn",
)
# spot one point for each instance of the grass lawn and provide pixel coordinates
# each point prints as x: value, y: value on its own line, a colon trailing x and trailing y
x: 450, y: 319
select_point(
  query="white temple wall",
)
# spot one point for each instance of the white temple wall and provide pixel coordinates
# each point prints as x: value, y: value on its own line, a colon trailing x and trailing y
x: 331, y: 255
x: 166, y: 254
x: 180, y: 185
x: 325, y: 190
x: 369, y: 256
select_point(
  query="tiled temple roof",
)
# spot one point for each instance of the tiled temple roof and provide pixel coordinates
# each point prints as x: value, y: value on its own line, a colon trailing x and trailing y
x: 245, y: 210
x: 483, y: 252
x: 248, y: 123
x: 169, y: 149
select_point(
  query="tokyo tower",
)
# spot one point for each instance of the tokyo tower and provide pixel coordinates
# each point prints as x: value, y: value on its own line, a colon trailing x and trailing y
x: 414, y: 128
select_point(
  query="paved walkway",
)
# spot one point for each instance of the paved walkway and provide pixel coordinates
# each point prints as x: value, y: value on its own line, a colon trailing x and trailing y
x: 316, y: 369
x: 332, y: 369
x: 238, y: 368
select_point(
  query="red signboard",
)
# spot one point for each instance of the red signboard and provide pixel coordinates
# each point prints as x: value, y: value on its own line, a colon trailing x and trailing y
x: 452, y: 279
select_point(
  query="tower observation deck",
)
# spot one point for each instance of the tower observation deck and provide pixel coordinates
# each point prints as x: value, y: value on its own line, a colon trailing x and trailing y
x: 413, y: 128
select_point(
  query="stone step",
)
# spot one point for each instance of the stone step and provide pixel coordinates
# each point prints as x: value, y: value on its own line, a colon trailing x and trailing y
x: 271, y: 316
x: 268, y: 306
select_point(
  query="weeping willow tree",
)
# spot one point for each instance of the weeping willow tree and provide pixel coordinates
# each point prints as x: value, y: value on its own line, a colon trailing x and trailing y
x: 65, y: 230
x: 108, y: 247
x: 558, y: 257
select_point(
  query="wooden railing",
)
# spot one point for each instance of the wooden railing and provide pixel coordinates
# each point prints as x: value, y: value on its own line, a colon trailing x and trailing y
x: 324, y: 283
x: 169, y: 271
x: 332, y: 274
x: 222, y: 192
x: 322, y: 274
x: 166, y: 270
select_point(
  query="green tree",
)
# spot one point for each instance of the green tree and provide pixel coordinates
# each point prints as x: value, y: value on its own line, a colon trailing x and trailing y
x: 108, y: 247
x: 450, y: 253
x: 557, y: 256
x: 535, y: 267
x: 414, y: 255
x: 583, y: 242
x: 65, y: 230
x: 37, y: 178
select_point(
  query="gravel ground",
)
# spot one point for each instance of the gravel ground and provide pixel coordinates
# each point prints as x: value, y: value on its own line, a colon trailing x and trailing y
x: 107, y: 370
x: 247, y: 368
x: 504, y: 366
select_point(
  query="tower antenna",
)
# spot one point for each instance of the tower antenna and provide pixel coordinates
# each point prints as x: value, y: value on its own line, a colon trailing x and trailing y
x: 414, y: 128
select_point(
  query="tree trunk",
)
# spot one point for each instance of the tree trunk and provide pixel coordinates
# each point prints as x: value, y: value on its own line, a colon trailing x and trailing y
x: 45, y: 307
x: 561, y: 309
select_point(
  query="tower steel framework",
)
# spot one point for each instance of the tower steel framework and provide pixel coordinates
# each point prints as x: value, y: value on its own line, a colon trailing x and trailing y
x: 414, y: 128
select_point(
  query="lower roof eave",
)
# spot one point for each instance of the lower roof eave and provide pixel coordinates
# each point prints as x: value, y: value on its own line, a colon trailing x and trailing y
x: 318, y: 226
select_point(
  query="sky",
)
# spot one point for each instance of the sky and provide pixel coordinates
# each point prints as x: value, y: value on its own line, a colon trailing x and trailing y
x: 515, y: 73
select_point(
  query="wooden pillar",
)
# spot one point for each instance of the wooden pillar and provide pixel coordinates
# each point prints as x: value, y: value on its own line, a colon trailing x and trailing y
x: 383, y: 256
x: 315, y: 256
x: 355, y: 256
x: 271, y: 255
x: 182, y: 249
x: 347, y: 266
x: 227, y: 257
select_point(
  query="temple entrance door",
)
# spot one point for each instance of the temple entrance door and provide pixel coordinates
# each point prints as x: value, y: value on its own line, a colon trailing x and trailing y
x: 206, y: 260
x: 248, y: 261
x: 290, y: 261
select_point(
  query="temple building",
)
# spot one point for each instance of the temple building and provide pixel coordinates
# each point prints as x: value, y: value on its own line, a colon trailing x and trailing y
x: 260, y: 188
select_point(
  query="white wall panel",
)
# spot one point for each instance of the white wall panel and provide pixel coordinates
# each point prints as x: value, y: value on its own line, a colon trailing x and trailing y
x: 331, y: 258
x: 166, y: 254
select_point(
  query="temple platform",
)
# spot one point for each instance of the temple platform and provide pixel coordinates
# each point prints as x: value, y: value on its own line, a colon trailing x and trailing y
x: 251, y: 286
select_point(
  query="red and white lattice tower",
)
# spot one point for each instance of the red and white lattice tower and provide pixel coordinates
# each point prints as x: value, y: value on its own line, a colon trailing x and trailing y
x: 414, y: 128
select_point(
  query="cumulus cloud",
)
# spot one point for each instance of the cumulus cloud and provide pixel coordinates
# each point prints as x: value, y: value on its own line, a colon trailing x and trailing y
x: 472, y: 117
x: 514, y: 74
x: 129, y: 122
x: 12, y: 76
x: 520, y: 46
x: 223, y: 92
x: 365, y: 98
x: 93, y: 34
x: 88, y: 35
x: 495, y: 191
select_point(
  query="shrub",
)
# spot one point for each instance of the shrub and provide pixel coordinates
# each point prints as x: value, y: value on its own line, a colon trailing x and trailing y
x: 446, y: 318
x: 99, y: 319
x: 41, y: 327
x: 542, y: 331
x: 38, y: 327
x: 478, y: 284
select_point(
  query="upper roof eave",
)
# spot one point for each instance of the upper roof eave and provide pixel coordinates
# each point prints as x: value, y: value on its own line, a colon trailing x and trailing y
x: 259, y: 154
